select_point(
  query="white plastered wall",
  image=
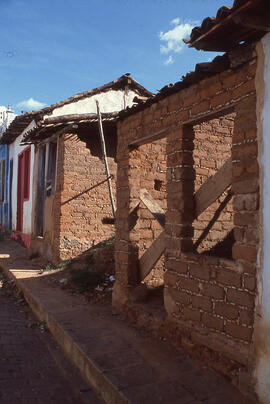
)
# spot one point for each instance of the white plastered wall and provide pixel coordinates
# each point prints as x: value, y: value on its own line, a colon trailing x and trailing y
x: 262, y: 324
x: 15, y: 149
x: 109, y: 101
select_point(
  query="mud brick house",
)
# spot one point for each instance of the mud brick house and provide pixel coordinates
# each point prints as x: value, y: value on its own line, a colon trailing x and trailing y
x: 18, y: 178
x: 202, y: 143
x: 6, y: 117
x: 71, y: 203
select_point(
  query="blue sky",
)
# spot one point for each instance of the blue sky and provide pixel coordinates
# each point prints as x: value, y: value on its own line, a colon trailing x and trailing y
x: 50, y: 50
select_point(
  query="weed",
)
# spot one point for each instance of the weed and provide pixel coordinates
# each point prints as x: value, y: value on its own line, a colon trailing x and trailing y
x: 64, y: 264
x: 49, y: 267
x: 84, y: 278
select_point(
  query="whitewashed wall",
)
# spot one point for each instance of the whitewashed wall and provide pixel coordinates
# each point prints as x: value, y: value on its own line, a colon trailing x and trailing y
x: 110, y: 101
x: 15, y: 149
x: 262, y: 324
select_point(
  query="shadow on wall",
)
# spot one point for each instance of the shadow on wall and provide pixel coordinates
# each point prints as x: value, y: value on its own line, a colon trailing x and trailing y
x: 223, y: 248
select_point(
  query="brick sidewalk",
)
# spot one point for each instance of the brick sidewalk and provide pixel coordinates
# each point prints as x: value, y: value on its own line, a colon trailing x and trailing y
x: 29, y: 372
x: 122, y: 363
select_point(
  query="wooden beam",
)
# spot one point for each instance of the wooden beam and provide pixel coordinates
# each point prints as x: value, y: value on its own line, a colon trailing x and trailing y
x: 213, y: 114
x: 152, y: 206
x: 213, y: 188
x: 104, y: 152
x: 41, y: 141
x: 77, y: 117
x: 152, y: 255
x: 150, y: 138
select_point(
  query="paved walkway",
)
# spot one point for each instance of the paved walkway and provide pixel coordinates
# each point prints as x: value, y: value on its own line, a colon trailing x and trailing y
x: 32, y: 368
x: 122, y: 363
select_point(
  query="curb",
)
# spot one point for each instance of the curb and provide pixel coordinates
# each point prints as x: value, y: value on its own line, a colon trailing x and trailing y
x: 102, y: 386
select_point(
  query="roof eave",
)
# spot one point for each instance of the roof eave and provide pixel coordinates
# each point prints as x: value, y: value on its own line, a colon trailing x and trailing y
x: 239, y: 28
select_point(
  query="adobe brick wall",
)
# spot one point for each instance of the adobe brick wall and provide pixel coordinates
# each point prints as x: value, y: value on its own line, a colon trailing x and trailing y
x: 153, y: 178
x: 214, y: 294
x: 84, y: 198
x: 212, y: 148
x: 81, y: 199
x: 210, y: 299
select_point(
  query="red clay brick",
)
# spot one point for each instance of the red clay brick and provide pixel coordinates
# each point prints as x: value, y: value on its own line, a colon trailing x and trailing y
x: 180, y: 296
x: 201, y: 302
x: 246, y: 317
x: 228, y: 277
x: 226, y: 310
x: 244, y: 252
x: 243, y: 89
x: 189, y: 284
x: 240, y: 297
x: 238, y: 331
x: 212, y: 322
x: 200, y: 272
x: 245, y: 186
x: 249, y: 283
x: 170, y: 278
x: 213, y: 291
x: 193, y: 315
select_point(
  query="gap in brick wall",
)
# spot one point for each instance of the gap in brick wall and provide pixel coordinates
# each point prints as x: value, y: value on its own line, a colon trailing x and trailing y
x: 213, y: 228
x: 152, y: 173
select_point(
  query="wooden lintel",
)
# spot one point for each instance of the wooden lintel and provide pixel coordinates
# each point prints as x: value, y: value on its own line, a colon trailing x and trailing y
x: 66, y: 129
x: 152, y: 255
x: 150, y: 138
x: 210, y: 115
x: 152, y: 206
x: 213, y: 188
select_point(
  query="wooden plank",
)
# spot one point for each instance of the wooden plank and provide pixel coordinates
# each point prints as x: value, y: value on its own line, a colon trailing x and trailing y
x: 213, y: 188
x: 213, y: 114
x: 153, y: 206
x: 100, y: 126
x: 150, y: 138
x: 152, y: 255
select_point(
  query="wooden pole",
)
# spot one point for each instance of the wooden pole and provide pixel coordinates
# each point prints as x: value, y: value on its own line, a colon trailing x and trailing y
x: 105, y: 157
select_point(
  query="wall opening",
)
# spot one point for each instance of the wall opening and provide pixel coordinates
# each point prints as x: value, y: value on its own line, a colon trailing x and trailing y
x: 149, y: 178
x: 213, y: 227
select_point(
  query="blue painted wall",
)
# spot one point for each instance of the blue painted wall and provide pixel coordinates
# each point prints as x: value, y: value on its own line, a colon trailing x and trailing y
x: 4, y: 206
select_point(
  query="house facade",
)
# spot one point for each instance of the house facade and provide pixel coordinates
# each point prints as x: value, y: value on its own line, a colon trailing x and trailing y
x: 71, y: 208
x: 214, y: 230
x: 19, y: 178
x: 6, y: 117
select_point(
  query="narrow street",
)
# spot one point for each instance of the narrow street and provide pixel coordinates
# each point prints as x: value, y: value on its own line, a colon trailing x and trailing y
x: 32, y: 367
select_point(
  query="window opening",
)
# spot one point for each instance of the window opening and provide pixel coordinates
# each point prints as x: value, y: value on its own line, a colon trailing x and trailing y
x: 26, y: 187
x: 51, y: 169
x: 3, y: 171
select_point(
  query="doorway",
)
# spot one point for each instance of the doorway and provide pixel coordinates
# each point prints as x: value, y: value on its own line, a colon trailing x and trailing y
x: 40, y: 198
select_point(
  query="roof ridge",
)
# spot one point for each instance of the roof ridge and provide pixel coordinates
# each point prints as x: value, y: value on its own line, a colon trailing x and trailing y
x: 125, y: 79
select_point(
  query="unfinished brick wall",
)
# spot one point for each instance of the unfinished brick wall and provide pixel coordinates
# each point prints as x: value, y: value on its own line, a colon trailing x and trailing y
x: 81, y: 200
x: 84, y: 198
x: 206, y: 293
x: 152, y: 172
x: 212, y: 148
x: 209, y: 299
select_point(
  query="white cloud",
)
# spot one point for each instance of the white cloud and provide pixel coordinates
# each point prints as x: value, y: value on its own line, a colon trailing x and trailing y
x: 174, y: 37
x: 169, y: 61
x: 175, y: 21
x: 30, y: 104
